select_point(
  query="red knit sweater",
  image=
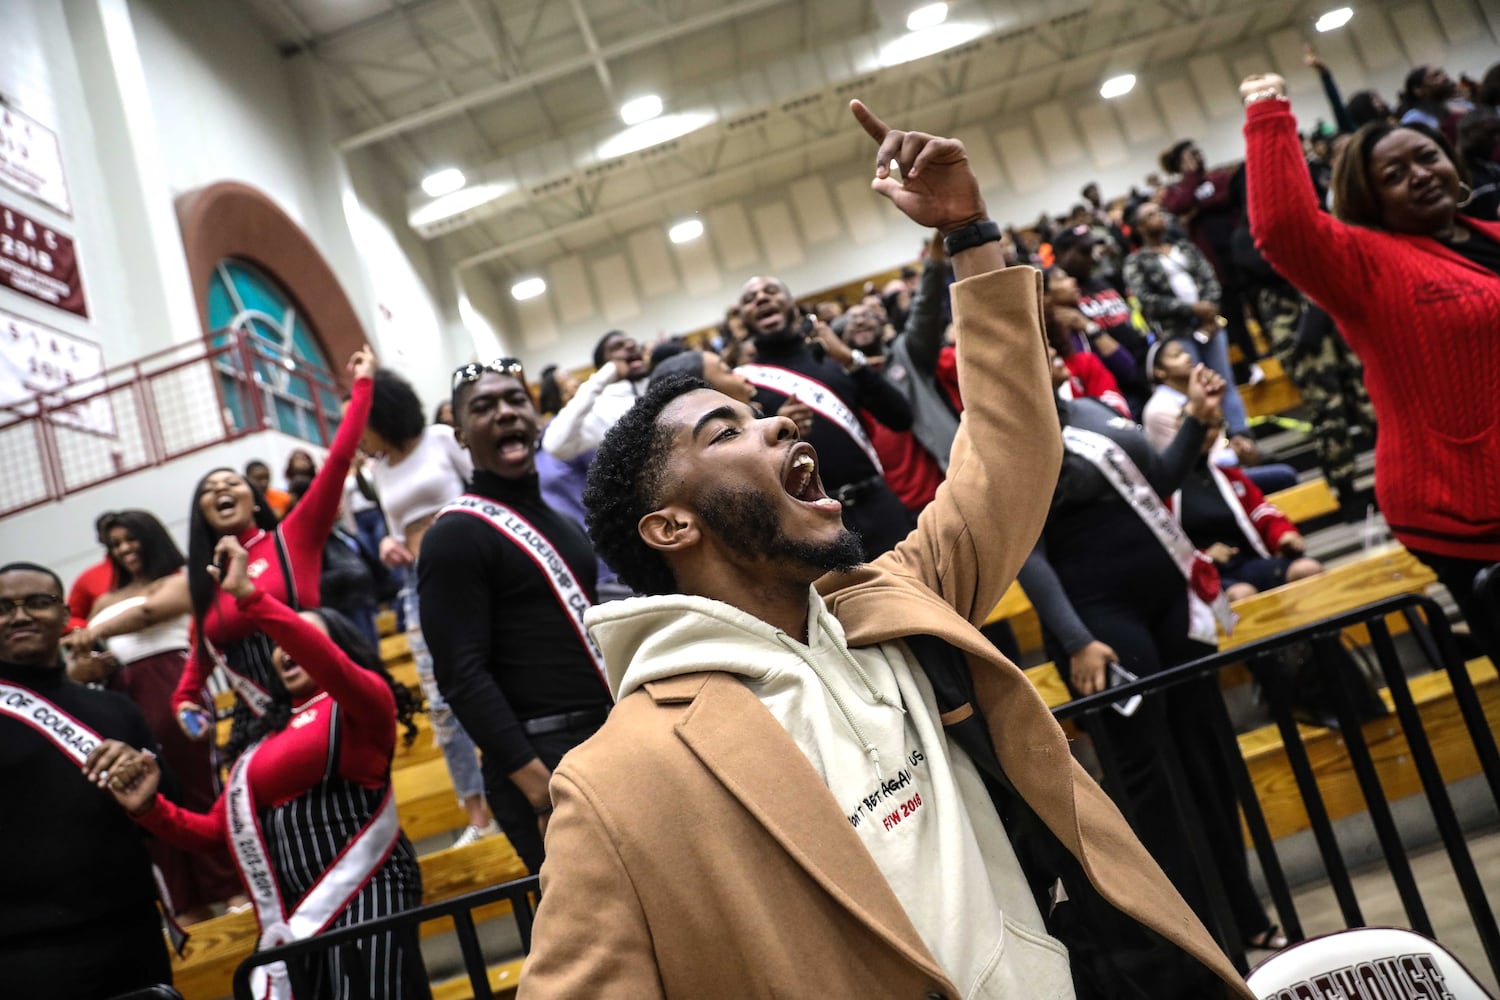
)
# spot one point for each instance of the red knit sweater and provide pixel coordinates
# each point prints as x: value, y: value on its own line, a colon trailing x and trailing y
x: 1426, y: 323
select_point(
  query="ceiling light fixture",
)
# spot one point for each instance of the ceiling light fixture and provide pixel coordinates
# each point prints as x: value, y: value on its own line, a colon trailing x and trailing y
x: 929, y: 16
x: 527, y: 288
x: 1336, y: 18
x: 652, y: 133
x: 1117, y: 86
x: 641, y: 109
x: 928, y: 42
x: 685, y: 232
x: 441, y: 182
x: 456, y: 203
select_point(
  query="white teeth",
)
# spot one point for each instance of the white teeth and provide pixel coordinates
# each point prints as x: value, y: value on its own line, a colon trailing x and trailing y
x: 803, y: 462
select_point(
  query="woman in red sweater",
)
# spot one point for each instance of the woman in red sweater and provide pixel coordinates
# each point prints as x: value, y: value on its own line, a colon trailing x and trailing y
x: 308, y: 814
x: 286, y: 561
x: 1415, y: 289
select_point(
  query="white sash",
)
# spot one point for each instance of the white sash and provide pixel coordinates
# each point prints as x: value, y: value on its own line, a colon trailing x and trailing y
x: 1232, y: 499
x: 72, y: 737
x: 358, y: 863
x: 816, y: 395
x: 529, y: 540
x: 1116, y: 467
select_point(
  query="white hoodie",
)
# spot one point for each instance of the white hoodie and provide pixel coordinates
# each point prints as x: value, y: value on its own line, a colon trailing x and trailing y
x: 868, y: 722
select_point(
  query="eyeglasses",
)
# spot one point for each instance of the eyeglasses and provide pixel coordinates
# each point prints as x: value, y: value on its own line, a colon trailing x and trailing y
x: 33, y: 603
x: 473, y: 371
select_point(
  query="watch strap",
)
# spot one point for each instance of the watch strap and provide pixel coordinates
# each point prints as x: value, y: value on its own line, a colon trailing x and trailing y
x: 973, y: 235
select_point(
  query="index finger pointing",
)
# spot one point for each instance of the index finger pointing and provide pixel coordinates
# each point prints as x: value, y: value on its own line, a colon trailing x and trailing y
x: 872, y: 125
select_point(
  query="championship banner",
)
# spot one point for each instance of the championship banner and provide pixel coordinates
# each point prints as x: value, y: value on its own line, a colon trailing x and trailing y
x: 38, y: 261
x: 40, y: 364
x: 31, y: 160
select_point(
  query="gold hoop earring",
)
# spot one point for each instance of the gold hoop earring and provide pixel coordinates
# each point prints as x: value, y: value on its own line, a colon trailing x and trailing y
x: 1468, y: 196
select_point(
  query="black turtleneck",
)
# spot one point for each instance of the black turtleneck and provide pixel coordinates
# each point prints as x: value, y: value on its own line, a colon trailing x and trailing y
x: 840, y: 460
x: 76, y: 875
x: 502, y: 647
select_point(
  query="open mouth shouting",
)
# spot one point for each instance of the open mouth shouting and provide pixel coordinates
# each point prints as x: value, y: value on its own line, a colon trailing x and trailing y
x: 799, y: 477
x: 515, y: 445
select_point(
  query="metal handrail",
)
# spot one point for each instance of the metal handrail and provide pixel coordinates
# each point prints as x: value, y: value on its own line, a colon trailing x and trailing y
x: 244, y: 403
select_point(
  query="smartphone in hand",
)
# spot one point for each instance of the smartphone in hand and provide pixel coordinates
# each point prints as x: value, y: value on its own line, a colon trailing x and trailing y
x: 1118, y: 675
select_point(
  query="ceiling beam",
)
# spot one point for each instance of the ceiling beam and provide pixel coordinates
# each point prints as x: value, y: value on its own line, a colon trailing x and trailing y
x: 601, y: 68
x: 496, y: 91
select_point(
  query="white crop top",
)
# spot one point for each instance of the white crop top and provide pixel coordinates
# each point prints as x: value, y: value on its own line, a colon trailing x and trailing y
x: 436, y: 471
x: 163, y: 637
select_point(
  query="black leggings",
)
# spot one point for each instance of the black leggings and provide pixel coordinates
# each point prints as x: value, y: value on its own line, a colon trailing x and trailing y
x: 1458, y: 576
x: 1145, y: 621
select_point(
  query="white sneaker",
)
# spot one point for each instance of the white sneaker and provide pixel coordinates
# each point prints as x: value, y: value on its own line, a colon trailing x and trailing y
x: 1257, y: 375
x: 474, y: 834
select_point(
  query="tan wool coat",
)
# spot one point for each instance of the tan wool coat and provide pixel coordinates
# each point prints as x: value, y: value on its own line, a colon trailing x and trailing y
x: 695, y: 852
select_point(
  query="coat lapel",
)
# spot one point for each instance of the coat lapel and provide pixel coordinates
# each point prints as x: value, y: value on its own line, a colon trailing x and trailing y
x: 749, y: 752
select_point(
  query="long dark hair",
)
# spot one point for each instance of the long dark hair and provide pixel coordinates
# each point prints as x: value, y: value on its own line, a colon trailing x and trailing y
x: 201, y: 541
x: 160, y: 555
x: 347, y: 637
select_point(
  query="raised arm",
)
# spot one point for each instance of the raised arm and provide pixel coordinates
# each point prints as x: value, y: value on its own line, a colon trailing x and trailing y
x: 1323, y: 257
x: 1205, y: 407
x: 925, y: 320
x: 1006, y: 456
x: 310, y: 521
x: 574, y: 430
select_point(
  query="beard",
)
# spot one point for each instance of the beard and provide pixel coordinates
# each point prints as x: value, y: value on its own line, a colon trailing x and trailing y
x: 747, y: 521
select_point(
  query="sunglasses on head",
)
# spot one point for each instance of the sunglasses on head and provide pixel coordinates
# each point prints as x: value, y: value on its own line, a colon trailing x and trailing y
x: 472, y: 371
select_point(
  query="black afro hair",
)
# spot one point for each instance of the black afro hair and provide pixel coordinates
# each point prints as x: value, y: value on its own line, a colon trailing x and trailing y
x: 624, y: 485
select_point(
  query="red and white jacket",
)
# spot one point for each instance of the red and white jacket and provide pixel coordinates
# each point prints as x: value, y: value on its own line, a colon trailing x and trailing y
x: 1261, y: 522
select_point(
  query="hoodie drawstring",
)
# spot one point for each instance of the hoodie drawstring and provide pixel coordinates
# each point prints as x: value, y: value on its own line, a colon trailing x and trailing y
x: 876, y: 694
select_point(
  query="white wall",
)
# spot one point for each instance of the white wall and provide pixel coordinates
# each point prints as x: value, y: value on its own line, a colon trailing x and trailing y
x: 826, y: 229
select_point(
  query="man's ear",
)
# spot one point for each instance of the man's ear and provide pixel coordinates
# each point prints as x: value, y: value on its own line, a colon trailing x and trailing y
x: 671, y: 529
x: 458, y: 436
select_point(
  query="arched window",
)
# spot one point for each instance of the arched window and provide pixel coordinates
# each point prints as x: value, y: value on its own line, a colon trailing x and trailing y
x: 290, y: 369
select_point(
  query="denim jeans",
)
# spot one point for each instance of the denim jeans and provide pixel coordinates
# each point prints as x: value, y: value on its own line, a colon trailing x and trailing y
x: 459, y: 752
x: 1215, y: 354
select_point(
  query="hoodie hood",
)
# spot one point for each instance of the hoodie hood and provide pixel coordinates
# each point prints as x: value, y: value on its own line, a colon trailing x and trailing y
x: 652, y: 638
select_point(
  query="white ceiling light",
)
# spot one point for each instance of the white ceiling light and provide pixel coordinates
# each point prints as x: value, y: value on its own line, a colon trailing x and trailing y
x: 441, y: 182
x: 928, y: 42
x: 930, y: 16
x: 1117, y: 86
x: 1336, y: 18
x: 456, y: 203
x: 641, y: 109
x: 652, y: 133
x: 527, y: 288
x: 685, y: 232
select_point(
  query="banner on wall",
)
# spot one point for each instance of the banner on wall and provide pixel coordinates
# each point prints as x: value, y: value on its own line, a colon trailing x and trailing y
x: 38, y: 261
x: 31, y: 160
x: 39, y: 362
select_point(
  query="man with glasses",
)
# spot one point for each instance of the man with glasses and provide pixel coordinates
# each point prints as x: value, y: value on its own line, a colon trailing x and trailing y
x: 504, y: 581
x: 78, y: 913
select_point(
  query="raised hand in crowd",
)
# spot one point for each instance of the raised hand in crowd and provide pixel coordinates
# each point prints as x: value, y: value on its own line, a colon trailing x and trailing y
x: 230, y: 567
x: 1261, y: 86
x: 834, y: 349
x: 937, y: 187
x: 1205, y: 396
x: 362, y: 363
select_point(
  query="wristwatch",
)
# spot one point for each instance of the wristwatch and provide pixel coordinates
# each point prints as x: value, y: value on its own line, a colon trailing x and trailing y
x: 857, y: 360
x: 973, y: 235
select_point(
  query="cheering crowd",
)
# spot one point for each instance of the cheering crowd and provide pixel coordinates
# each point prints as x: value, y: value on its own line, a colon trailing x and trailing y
x: 699, y: 632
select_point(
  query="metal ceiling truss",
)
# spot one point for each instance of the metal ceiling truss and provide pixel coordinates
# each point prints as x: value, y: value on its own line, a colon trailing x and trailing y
x: 680, y: 195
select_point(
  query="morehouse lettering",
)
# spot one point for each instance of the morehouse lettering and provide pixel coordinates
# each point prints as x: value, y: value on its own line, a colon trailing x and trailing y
x: 1397, y: 977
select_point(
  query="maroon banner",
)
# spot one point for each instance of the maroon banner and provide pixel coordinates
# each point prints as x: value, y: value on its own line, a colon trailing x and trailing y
x: 38, y: 261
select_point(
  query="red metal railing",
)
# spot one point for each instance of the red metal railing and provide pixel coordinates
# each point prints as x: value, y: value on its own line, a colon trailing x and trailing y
x: 156, y: 409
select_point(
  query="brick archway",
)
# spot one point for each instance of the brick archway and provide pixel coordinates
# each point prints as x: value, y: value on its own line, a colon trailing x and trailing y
x: 230, y: 219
